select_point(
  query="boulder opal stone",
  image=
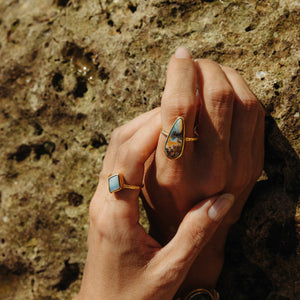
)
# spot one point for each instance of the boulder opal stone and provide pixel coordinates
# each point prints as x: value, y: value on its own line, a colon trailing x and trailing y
x: 175, y: 140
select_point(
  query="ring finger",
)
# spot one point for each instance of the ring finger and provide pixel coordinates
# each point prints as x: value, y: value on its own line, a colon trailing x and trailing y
x: 217, y: 98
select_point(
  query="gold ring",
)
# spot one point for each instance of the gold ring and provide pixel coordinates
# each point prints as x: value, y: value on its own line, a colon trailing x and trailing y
x: 116, y: 183
x: 187, y: 139
x: 176, y: 139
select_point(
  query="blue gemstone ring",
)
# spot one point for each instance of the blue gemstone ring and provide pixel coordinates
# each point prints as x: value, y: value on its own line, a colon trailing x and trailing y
x: 116, y: 183
x: 176, y: 139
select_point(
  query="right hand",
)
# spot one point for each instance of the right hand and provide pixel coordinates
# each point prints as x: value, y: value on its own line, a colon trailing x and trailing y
x: 228, y: 157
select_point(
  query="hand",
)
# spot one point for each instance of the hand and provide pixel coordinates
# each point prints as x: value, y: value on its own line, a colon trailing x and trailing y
x: 123, y: 261
x: 228, y: 157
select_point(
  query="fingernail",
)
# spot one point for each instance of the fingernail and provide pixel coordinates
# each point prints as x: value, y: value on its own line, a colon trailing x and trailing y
x: 220, y: 207
x: 182, y: 52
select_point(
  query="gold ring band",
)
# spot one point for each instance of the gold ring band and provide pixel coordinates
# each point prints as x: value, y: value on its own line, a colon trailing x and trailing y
x: 187, y: 139
x: 132, y: 187
x: 116, y: 183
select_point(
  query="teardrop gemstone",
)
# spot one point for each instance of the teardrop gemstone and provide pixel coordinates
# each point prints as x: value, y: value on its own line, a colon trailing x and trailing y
x: 175, y: 140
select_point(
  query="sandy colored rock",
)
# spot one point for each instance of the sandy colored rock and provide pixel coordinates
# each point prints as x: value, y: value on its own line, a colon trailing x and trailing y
x: 71, y: 71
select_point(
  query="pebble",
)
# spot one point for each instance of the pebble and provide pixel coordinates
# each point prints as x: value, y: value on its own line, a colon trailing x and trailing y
x: 261, y: 74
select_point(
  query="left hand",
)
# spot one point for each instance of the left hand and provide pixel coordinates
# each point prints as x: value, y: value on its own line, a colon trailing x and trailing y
x: 123, y: 261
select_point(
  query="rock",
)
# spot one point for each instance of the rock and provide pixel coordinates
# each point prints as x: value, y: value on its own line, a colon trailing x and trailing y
x: 73, y: 70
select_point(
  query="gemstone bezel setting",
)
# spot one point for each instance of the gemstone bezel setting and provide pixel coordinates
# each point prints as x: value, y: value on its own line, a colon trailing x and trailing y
x: 175, y: 140
x: 115, y: 183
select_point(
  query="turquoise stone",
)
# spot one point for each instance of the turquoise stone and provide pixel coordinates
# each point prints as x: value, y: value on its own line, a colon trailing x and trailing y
x: 114, y: 184
x: 175, y: 140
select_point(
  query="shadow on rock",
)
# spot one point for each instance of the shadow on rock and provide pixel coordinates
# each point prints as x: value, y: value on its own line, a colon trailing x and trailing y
x: 262, y: 248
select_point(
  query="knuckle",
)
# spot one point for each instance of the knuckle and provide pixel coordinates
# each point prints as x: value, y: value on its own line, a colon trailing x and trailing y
x: 102, y: 177
x: 116, y: 134
x: 99, y: 221
x: 181, y: 103
x: 168, y: 275
x: 120, y: 134
x: 221, y: 95
x: 200, y: 237
x: 251, y: 104
x: 100, y: 227
x: 165, y: 279
x: 135, y: 150
x: 93, y: 213
x: 128, y: 150
x: 138, y: 152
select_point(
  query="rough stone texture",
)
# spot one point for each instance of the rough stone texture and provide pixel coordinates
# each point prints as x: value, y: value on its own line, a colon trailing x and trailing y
x: 72, y: 70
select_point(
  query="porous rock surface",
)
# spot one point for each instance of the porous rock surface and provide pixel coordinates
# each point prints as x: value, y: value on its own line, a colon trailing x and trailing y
x: 72, y: 70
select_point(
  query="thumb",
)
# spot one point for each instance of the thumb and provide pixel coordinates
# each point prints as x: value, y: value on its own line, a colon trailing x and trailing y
x: 196, y: 229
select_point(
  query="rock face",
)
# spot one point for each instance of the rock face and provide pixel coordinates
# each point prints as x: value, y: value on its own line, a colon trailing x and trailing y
x: 72, y: 70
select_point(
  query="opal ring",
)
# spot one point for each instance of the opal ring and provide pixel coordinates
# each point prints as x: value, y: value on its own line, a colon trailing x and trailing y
x: 116, y: 183
x: 176, y: 139
x: 187, y: 139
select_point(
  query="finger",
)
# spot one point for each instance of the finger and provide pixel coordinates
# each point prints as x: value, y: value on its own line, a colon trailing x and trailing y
x: 195, y: 230
x: 127, y: 159
x: 244, y: 118
x: 132, y: 126
x: 246, y: 145
x: 130, y: 160
x: 124, y: 133
x: 217, y: 100
x: 179, y: 98
x: 134, y: 152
